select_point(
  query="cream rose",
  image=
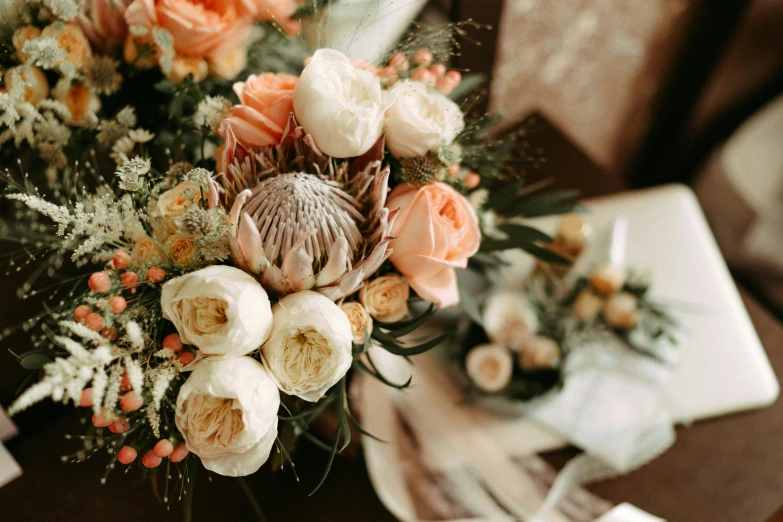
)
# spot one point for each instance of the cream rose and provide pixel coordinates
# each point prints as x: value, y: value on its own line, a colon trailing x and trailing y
x: 587, y: 305
x: 386, y: 298
x: 174, y: 201
x: 509, y: 319
x: 219, y: 309
x: 309, y: 349
x: 339, y: 105
x: 227, y: 412
x: 620, y: 310
x: 539, y: 353
x: 360, y: 320
x: 419, y: 119
x: 489, y: 366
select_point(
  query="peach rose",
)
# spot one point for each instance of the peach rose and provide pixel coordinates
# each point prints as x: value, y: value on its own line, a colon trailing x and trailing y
x: 36, y: 88
x: 70, y: 38
x: 201, y: 29
x: 435, y: 232
x: 266, y: 101
x: 279, y: 11
x: 79, y: 99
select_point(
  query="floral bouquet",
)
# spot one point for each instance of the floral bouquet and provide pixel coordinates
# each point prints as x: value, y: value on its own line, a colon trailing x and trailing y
x: 519, y: 346
x: 243, y: 256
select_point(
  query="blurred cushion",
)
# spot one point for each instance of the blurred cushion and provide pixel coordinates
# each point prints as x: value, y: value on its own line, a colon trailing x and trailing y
x: 741, y: 191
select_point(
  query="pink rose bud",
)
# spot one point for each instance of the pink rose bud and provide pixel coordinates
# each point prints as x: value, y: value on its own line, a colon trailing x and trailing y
x: 173, y: 342
x: 308, y: 60
x: 94, y: 322
x: 472, y: 180
x: 103, y: 419
x: 99, y: 282
x: 179, y: 453
x: 156, y: 274
x: 126, y: 455
x: 399, y: 62
x: 131, y: 402
x: 121, y: 425
x: 121, y: 259
x: 81, y: 313
x: 438, y: 70
x: 130, y: 280
x: 150, y: 460
x: 86, y: 399
x: 117, y: 304
x: 109, y: 333
x: 453, y: 170
x: 163, y: 448
x: 186, y: 358
x: 423, y: 57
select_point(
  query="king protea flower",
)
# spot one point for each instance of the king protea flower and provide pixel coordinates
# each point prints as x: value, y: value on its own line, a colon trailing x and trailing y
x: 302, y: 220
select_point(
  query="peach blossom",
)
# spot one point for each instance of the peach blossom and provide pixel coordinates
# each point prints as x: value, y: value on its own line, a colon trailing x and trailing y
x: 200, y: 29
x: 266, y: 101
x: 435, y: 232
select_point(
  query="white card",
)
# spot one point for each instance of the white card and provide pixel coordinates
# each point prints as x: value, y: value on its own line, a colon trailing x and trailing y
x: 9, y: 468
x: 7, y: 427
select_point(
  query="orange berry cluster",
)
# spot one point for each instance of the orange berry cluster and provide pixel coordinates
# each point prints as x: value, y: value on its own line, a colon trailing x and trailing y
x: 101, y: 283
x: 421, y: 69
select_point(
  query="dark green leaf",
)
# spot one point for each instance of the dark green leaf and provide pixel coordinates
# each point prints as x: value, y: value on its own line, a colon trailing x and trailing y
x: 329, y: 462
x: 416, y: 350
x: 502, y: 198
x: 466, y: 300
x: 470, y: 82
x: 545, y: 204
x: 34, y: 361
x: 401, y: 324
x: 522, y: 232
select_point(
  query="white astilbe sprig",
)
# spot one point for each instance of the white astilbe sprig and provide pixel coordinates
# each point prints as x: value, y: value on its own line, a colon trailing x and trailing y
x: 45, y: 52
x: 57, y: 213
x: 80, y: 330
x: 134, y: 371
x: 66, y: 377
x: 135, y: 335
x: 131, y: 173
x: 165, y: 42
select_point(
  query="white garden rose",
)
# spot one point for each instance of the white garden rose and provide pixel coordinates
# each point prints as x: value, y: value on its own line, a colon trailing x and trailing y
x: 360, y: 320
x: 227, y: 413
x: 490, y: 366
x: 509, y: 319
x: 309, y: 349
x: 339, y: 105
x: 386, y: 298
x: 221, y: 310
x: 419, y: 119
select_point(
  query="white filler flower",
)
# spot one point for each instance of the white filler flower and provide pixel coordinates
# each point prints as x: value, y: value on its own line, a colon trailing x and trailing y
x: 219, y: 309
x: 309, y: 349
x: 339, y: 105
x: 227, y: 412
x: 419, y: 119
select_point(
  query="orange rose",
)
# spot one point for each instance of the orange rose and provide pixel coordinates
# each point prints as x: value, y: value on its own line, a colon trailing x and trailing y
x: 266, y: 101
x: 435, y: 232
x: 200, y: 29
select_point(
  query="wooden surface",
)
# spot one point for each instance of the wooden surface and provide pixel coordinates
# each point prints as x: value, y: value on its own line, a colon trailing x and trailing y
x: 727, y: 469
